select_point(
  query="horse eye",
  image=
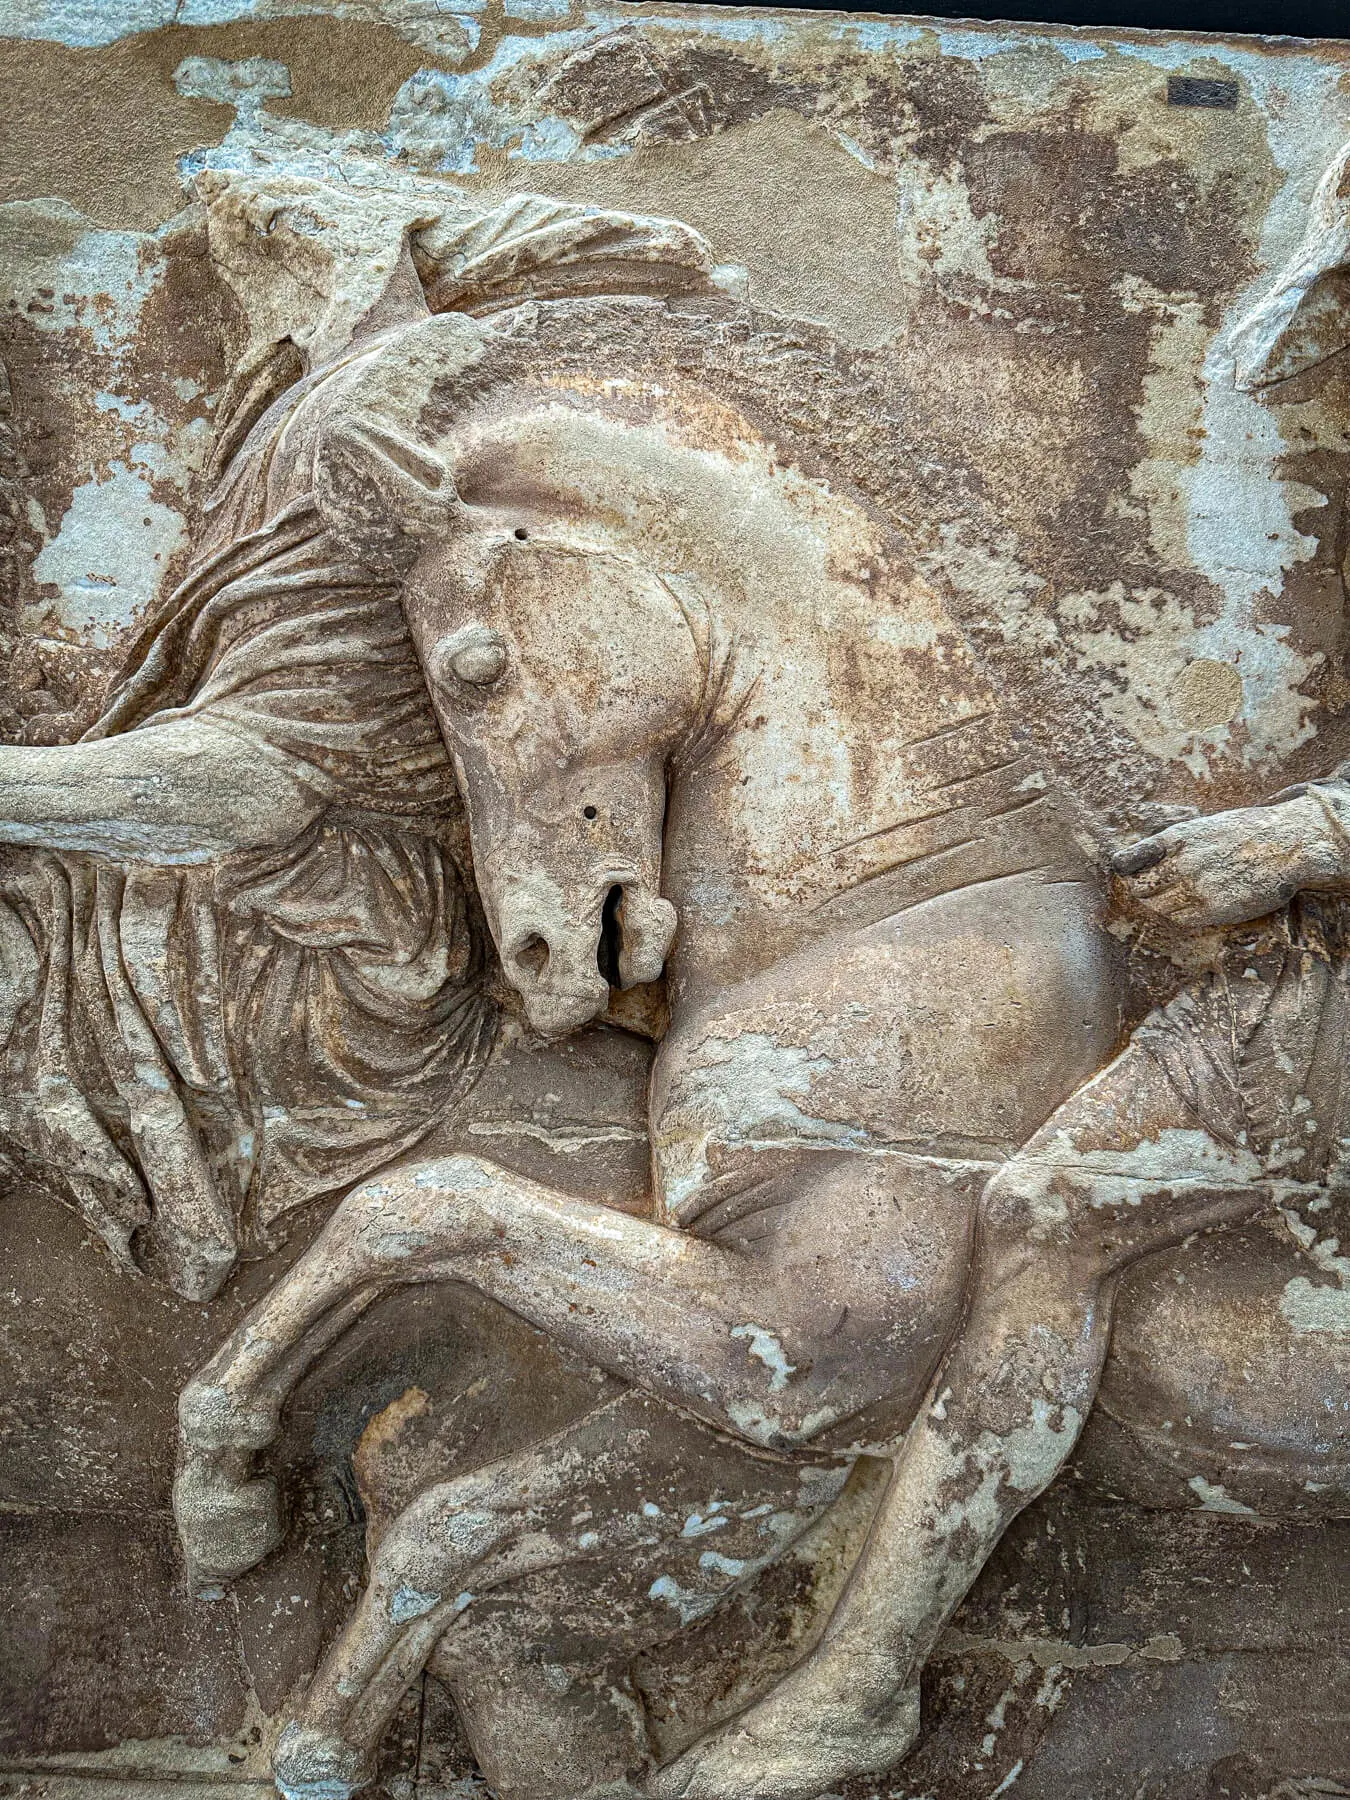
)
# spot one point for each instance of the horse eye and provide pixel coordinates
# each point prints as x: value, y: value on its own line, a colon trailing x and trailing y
x: 475, y: 655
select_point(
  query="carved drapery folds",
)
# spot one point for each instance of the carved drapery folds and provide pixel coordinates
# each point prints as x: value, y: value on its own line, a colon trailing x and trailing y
x: 153, y: 1013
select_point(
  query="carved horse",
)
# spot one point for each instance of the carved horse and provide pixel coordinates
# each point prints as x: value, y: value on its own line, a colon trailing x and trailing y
x: 707, y: 721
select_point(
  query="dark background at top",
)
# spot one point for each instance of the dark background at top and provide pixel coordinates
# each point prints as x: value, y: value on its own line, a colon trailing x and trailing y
x: 1278, y: 18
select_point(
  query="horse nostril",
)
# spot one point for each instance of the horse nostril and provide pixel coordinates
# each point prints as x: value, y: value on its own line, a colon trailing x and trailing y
x: 611, y: 937
x: 533, y: 955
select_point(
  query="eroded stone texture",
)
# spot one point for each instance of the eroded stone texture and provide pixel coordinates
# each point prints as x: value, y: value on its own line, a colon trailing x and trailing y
x: 672, y: 941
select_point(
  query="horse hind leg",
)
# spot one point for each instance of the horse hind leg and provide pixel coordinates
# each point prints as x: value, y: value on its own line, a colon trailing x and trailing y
x: 454, y: 1544
x: 533, y: 1580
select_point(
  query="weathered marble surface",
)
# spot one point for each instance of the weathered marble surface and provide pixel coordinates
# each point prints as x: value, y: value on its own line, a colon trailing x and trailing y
x: 899, y: 480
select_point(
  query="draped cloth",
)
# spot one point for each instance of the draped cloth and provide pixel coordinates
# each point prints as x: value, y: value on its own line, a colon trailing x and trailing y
x: 1258, y: 1048
x: 189, y: 1052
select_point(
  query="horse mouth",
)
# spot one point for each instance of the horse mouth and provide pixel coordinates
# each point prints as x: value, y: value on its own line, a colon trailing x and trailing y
x: 566, y: 966
x: 610, y: 946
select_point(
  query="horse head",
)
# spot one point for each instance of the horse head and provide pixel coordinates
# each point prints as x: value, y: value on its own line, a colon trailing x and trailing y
x: 563, y: 676
x: 585, y: 566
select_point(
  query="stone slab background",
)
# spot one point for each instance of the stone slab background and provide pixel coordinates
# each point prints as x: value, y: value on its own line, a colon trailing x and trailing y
x: 1033, y: 257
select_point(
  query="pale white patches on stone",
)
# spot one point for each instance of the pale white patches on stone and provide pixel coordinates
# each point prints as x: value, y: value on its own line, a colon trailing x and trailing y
x: 1167, y: 413
x: 876, y: 35
x: 739, y: 27
x: 1143, y: 641
x: 997, y: 1718
x: 1055, y: 1654
x: 1180, y: 1159
x: 454, y: 1174
x: 245, y: 85
x: 912, y: 631
x: 754, y: 1423
x: 1036, y: 1451
x: 765, y: 1348
x: 1240, y: 531
x: 855, y: 150
x: 106, y: 558
x: 723, y: 1565
x: 688, y: 1604
x: 468, y: 1533
x: 85, y: 24
x: 108, y: 555
x: 700, y: 1524
x: 739, y: 1092
x: 1311, y: 1307
x: 588, y: 1540
x: 970, y: 44
x: 650, y: 1510
x: 401, y: 1244
x: 1214, y: 1497
x: 1009, y: 1779
x: 1026, y: 1459
x: 1206, y: 481
x: 814, y: 1422
x: 991, y: 576
x: 941, y: 241
x: 408, y: 1602
x: 430, y: 24
x: 99, y: 284
x: 1325, y: 1253
x: 567, y: 1142
x: 442, y: 121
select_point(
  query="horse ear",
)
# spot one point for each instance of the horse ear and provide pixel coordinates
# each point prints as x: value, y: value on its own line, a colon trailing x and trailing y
x: 383, y: 478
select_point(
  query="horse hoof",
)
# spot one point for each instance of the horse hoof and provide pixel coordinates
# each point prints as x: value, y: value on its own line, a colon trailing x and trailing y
x: 317, y: 1765
x: 225, y: 1527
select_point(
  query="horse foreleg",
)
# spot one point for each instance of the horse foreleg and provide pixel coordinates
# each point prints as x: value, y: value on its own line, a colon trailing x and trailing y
x: 654, y: 1306
x: 1122, y: 1170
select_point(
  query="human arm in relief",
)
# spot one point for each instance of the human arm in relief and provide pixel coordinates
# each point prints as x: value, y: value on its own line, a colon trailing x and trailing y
x: 183, y: 791
x: 1225, y: 867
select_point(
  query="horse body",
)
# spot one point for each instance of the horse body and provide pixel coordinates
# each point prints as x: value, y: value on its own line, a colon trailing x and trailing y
x: 705, y: 719
x: 788, y: 740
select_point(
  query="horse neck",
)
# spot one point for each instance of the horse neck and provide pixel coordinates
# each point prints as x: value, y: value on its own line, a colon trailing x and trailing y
x: 843, y: 774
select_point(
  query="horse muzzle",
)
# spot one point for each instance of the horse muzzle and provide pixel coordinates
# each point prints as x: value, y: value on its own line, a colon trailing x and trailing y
x: 563, y: 964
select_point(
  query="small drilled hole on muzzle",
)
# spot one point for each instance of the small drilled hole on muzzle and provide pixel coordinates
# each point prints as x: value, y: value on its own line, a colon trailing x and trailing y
x: 611, y: 937
x: 533, y: 955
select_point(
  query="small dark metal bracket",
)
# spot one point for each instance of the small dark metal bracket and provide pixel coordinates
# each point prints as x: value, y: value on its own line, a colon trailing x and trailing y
x: 1198, y: 90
